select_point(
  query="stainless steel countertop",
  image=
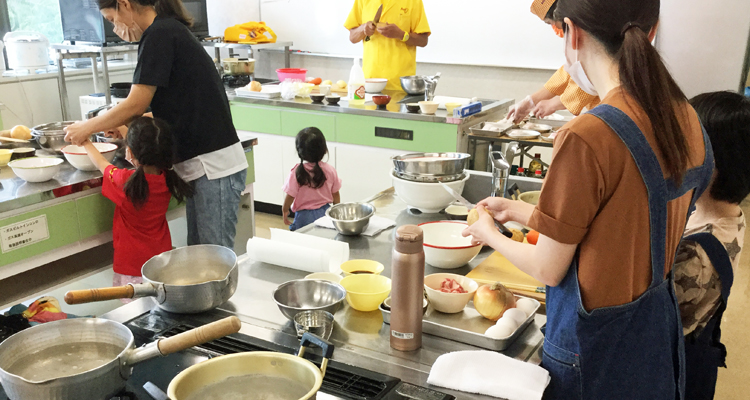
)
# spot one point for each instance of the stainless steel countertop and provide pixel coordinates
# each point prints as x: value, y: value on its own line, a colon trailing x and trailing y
x: 394, y: 109
x: 16, y: 193
x: 361, y: 339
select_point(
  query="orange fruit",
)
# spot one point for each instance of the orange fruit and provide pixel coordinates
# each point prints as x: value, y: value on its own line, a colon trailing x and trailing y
x: 532, y: 237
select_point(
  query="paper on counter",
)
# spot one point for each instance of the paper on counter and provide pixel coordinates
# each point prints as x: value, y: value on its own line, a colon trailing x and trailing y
x: 288, y: 255
x: 377, y: 224
x: 441, y: 100
x: 338, y: 252
x: 507, y: 379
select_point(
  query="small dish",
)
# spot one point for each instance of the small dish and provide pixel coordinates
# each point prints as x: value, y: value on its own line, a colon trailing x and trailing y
x: 22, y: 152
x: 381, y: 100
x: 354, y: 267
x: 457, y: 212
x: 332, y: 100
x: 317, y: 98
x: 387, y: 304
x: 412, y: 107
x: 523, y: 134
x: 449, y: 303
x: 428, y: 107
x: 541, y: 128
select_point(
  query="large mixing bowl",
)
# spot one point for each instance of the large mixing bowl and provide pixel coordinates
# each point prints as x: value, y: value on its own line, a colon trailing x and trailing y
x: 431, y: 164
x: 351, y: 219
x: 51, y: 137
x: 413, y: 85
x: 305, y: 295
x: 427, y: 197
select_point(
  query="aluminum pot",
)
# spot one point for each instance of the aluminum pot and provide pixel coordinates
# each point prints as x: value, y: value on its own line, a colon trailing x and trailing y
x: 431, y: 164
x: 186, y: 280
x: 291, y: 377
x: 103, y: 350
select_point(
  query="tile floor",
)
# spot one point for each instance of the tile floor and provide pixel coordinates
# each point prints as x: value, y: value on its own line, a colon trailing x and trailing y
x: 733, y: 381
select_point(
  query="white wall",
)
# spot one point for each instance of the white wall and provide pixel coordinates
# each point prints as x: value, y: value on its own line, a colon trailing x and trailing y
x: 704, y: 42
x: 225, y: 13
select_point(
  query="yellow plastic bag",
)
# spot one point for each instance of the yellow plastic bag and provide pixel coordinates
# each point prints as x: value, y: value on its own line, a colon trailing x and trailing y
x: 250, y: 33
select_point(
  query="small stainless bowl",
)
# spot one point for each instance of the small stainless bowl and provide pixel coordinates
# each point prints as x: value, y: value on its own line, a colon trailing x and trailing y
x: 413, y: 85
x: 351, y: 219
x: 300, y: 295
x: 317, y: 322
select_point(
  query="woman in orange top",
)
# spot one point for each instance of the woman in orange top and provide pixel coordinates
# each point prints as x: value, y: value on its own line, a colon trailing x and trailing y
x: 560, y: 92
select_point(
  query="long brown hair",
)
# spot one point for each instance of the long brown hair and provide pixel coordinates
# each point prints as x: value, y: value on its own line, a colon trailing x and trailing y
x: 311, y: 147
x: 164, y: 8
x: 623, y: 26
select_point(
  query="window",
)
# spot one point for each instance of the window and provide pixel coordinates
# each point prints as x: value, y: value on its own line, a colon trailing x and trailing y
x: 41, y: 16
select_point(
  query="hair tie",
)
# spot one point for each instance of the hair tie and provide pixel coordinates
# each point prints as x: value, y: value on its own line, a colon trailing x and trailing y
x: 629, y: 26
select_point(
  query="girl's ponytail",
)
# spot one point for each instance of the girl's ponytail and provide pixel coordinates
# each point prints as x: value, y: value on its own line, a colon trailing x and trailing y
x: 136, y: 188
x: 645, y: 77
x: 180, y: 189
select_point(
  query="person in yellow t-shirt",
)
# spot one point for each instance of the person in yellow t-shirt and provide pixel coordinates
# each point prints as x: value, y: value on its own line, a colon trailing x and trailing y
x: 391, y: 51
x: 560, y: 92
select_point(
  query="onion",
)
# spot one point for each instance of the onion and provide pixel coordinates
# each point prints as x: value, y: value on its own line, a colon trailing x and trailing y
x: 491, y: 301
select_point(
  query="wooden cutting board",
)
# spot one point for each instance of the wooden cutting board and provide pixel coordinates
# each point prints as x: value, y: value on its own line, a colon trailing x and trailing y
x: 497, y: 268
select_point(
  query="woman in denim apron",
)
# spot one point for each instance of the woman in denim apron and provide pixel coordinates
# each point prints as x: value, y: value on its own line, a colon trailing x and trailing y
x: 632, y: 349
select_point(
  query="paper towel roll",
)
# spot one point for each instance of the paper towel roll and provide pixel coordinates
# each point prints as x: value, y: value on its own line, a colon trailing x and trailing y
x: 288, y: 255
x: 338, y: 251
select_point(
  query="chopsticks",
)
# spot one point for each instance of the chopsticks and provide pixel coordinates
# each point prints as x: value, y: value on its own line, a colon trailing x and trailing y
x: 525, y: 288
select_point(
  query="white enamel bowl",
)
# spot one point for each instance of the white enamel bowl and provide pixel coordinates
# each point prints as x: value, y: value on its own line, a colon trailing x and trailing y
x: 444, y: 247
x: 449, y: 302
x: 77, y: 156
x: 427, y: 197
x: 375, y: 85
x: 36, y: 169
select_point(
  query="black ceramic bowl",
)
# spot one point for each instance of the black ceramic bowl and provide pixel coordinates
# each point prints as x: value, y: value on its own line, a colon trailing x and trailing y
x: 22, y: 152
x: 333, y: 99
x: 412, y: 107
x: 317, y: 98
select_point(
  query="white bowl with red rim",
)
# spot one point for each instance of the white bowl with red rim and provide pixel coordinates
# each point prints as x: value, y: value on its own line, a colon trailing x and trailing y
x: 452, y: 301
x: 445, y: 247
x: 375, y: 85
x: 77, y: 156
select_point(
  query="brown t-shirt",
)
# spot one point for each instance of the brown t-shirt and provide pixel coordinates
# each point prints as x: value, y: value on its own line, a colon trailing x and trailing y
x: 594, y: 196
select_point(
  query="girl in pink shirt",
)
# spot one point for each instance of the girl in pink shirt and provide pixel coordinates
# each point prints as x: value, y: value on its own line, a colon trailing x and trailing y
x: 312, y: 184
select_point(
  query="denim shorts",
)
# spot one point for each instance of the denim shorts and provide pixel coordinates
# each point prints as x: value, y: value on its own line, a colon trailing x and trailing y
x: 303, y: 218
x: 212, y: 211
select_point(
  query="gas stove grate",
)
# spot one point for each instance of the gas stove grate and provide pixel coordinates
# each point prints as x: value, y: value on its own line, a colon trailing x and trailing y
x: 337, y: 381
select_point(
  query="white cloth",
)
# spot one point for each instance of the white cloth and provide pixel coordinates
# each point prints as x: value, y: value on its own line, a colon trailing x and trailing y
x: 377, y: 224
x: 215, y: 165
x: 489, y: 373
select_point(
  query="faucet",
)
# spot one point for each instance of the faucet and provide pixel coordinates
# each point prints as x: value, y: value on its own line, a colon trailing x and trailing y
x: 501, y: 167
x: 430, y: 83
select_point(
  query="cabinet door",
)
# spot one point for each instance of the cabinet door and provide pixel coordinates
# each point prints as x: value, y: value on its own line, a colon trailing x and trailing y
x: 269, y: 175
x: 289, y: 157
x: 365, y: 171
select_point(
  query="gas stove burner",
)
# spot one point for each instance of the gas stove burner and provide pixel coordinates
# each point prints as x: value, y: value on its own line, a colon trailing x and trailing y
x: 125, y: 395
x: 236, y: 81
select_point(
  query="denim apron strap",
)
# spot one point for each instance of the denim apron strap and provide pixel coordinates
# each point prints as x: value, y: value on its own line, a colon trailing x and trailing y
x: 719, y: 257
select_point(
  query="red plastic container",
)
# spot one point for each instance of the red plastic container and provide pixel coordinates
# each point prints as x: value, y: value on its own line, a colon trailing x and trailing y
x: 291, y: 73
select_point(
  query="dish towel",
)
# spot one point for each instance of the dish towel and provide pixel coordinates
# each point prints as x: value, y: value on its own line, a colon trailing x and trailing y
x: 489, y: 373
x: 377, y: 224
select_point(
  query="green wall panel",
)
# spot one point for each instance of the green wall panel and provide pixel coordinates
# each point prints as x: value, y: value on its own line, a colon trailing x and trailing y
x: 256, y: 118
x: 95, y: 213
x: 428, y: 136
x: 62, y: 224
x: 294, y: 121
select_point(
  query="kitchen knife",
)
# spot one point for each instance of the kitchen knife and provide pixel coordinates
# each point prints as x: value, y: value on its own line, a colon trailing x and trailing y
x: 154, y: 391
x: 376, y: 19
x: 466, y: 203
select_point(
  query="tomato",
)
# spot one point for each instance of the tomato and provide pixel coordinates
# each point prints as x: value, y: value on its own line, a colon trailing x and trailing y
x: 532, y: 237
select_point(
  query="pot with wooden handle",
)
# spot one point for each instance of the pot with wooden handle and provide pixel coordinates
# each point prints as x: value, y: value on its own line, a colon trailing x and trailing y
x: 86, y: 358
x: 185, y: 280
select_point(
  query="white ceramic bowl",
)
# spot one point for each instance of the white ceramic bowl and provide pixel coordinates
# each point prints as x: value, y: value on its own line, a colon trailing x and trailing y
x: 449, y: 302
x: 444, y: 247
x: 428, y: 197
x: 325, y: 276
x: 531, y: 197
x: 77, y: 156
x: 36, y: 169
x: 375, y: 85
x: 428, y: 107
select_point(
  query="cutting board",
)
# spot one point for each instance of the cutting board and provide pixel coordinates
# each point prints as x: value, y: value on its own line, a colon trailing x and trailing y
x: 497, y: 268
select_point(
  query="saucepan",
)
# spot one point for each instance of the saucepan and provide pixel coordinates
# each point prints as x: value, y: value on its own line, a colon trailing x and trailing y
x: 264, y: 374
x: 185, y: 280
x: 86, y: 358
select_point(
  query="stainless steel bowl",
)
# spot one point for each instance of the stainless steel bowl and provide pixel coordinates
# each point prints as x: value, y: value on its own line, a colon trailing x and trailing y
x: 428, y: 178
x: 299, y: 295
x: 51, y: 137
x: 413, y: 85
x: 52, y: 129
x: 317, y: 322
x: 351, y: 219
x: 431, y: 164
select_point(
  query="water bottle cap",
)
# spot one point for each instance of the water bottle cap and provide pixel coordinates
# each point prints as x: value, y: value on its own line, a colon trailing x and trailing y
x: 409, y: 239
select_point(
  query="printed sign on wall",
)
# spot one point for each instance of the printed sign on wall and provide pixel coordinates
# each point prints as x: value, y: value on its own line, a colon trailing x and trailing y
x: 24, y: 233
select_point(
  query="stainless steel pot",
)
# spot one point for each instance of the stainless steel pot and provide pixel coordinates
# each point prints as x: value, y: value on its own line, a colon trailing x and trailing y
x: 284, y: 376
x: 56, y: 349
x: 186, y: 280
x: 431, y: 164
x: 238, y: 66
x: 351, y: 219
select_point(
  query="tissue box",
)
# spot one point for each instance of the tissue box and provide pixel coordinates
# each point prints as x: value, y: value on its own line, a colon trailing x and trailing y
x: 465, y: 111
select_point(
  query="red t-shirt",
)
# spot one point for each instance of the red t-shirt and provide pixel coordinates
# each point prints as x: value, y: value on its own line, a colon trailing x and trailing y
x: 139, y: 234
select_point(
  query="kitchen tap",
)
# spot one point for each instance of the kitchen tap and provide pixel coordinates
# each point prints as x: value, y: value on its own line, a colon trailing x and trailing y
x: 430, y: 83
x: 501, y: 167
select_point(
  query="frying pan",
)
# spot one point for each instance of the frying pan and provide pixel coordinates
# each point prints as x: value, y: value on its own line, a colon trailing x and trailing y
x: 185, y: 280
x: 264, y: 374
x: 38, y: 363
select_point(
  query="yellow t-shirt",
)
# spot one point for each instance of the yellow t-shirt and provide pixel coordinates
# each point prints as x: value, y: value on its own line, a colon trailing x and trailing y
x: 572, y: 96
x: 384, y: 57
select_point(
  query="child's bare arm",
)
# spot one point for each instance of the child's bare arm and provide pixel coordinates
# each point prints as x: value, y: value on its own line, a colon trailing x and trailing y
x: 337, y: 198
x: 285, y: 209
x: 96, y: 157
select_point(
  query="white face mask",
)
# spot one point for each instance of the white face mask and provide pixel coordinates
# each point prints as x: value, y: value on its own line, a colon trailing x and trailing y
x: 576, y: 72
x: 129, y: 33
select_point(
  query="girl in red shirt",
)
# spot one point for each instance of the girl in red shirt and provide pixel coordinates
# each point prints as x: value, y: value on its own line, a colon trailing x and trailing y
x: 141, y: 196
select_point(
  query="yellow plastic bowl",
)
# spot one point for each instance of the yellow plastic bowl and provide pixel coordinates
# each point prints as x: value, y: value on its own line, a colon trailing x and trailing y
x: 362, y: 266
x: 365, y: 292
x: 5, y: 156
x: 449, y: 107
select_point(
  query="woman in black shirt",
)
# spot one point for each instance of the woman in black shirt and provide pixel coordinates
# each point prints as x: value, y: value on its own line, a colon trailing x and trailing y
x: 178, y: 79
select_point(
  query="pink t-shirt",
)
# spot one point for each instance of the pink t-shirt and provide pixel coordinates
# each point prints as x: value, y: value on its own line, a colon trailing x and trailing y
x: 307, y: 198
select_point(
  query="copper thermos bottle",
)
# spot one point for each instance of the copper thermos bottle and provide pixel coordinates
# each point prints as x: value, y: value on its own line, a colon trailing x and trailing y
x: 407, y: 293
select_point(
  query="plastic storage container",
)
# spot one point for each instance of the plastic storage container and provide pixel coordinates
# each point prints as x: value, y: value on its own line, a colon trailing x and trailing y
x: 291, y: 73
